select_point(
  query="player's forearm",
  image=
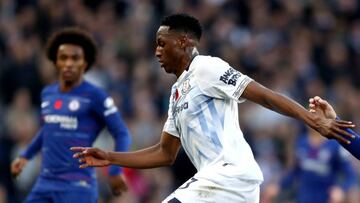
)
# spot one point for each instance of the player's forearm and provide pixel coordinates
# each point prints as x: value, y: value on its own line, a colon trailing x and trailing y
x: 277, y: 102
x: 34, y: 147
x: 147, y: 158
x: 289, y: 107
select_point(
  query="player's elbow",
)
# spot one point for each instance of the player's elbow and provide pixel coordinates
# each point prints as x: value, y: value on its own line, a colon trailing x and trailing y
x: 167, y: 163
x: 169, y: 159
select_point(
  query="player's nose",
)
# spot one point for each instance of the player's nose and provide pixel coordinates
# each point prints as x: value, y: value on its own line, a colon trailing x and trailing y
x: 69, y: 63
x: 158, y: 52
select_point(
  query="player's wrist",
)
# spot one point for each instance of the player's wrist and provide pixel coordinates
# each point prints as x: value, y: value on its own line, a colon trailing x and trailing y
x: 109, y: 158
x: 313, y: 121
x: 23, y: 158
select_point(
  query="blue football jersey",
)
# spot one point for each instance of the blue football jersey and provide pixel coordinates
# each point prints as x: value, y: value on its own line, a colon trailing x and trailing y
x: 69, y: 119
x: 318, y: 168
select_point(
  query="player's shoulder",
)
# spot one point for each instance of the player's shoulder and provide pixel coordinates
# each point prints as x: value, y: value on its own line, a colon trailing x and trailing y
x: 208, y: 66
x: 50, y: 89
x: 94, y: 91
x: 88, y: 86
x: 203, y: 61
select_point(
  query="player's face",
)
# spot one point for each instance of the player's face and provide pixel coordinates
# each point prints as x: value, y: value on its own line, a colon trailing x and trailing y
x: 168, y: 50
x: 70, y: 62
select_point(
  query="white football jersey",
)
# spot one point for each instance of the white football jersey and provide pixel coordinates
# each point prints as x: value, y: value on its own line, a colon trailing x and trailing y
x: 203, y: 113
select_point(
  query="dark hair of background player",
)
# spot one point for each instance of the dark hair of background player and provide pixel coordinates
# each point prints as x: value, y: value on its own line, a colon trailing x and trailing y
x: 72, y: 35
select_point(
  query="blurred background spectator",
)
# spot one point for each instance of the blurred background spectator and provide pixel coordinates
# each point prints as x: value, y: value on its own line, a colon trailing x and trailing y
x: 301, y: 48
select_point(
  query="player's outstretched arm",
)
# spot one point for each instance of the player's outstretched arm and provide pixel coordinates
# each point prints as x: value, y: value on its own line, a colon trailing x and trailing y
x: 162, y: 154
x: 20, y: 162
x: 322, y: 108
x: 330, y: 128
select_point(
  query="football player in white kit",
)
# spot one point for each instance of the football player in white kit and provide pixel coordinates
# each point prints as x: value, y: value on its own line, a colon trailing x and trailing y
x: 203, y: 118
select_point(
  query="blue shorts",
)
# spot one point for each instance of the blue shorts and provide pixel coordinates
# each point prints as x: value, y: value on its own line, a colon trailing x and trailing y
x: 61, y: 196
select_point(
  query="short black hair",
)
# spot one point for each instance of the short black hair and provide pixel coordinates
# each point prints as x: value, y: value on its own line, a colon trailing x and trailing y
x: 183, y: 23
x: 72, y: 35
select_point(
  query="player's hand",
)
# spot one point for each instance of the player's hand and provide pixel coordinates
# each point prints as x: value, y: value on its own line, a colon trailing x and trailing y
x: 321, y: 106
x: 18, y: 165
x: 270, y: 192
x: 334, y: 129
x: 117, y: 184
x: 325, y: 121
x: 89, y: 156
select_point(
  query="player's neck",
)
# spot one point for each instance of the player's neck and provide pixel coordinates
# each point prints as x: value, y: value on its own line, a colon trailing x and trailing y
x: 187, y: 61
x: 194, y: 53
x: 66, y: 86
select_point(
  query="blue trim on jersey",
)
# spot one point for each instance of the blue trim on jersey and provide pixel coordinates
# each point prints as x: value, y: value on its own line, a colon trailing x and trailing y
x: 214, y: 113
x: 205, y: 129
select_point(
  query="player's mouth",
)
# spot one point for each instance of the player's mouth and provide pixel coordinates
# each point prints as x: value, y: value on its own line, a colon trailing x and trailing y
x: 161, y: 63
x: 67, y: 74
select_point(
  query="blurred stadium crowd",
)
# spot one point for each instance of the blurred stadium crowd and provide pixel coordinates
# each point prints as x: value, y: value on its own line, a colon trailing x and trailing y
x: 300, y: 48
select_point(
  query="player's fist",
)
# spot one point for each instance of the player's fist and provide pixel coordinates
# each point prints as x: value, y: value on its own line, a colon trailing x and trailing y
x: 117, y: 184
x: 89, y: 156
x: 17, y: 166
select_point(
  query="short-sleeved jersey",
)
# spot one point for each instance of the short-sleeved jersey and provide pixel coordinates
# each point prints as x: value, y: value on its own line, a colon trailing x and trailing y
x: 203, y: 113
x: 73, y: 118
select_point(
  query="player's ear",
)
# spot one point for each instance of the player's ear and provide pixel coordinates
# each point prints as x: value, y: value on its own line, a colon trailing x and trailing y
x: 86, y: 65
x: 183, y: 41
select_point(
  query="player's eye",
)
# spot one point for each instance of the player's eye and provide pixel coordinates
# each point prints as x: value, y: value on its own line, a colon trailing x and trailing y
x: 161, y: 43
x: 76, y: 57
x: 62, y: 57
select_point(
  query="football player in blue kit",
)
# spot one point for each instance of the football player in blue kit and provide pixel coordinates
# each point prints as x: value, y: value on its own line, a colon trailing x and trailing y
x: 322, y: 170
x: 73, y: 112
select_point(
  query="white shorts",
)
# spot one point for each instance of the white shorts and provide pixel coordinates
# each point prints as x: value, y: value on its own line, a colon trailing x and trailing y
x: 216, y: 187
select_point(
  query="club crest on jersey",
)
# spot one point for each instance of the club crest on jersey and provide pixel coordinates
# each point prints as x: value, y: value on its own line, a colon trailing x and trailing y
x: 74, y: 105
x: 185, y: 87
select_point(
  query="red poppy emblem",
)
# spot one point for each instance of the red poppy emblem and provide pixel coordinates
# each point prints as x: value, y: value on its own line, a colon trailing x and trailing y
x: 58, y: 104
x: 176, y: 95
